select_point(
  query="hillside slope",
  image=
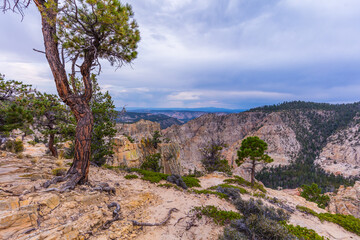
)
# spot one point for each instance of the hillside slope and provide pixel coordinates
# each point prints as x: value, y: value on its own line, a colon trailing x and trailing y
x: 27, y: 211
x: 296, y: 133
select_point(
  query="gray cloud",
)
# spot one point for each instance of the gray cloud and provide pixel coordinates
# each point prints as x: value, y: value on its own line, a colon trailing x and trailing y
x: 210, y: 53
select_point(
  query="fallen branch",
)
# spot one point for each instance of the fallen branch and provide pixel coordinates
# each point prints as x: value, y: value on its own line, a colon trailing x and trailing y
x: 104, y: 187
x: 9, y: 192
x: 135, y: 223
x: 116, y: 215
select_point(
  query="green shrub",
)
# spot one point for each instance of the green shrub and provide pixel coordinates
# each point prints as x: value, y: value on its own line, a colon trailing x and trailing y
x: 220, y: 195
x: 151, y: 163
x: 33, y: 143
x: 242, y: 182
x: 257, y: 207
x: 219, y: 216
x: 129, y: 138
x: 302, y: 232
x: 312, y: 193
x: 169, y: 185
x: 260, y: 195
x: 107, y: 166
x: 266, y: 228
x: 150, y: 176
x: 241, y: 190
x: 195, y: 173
x: 15, y: 146
x: 231, y: 233
x: 191, y: 181
x: 211, y: 158
x: 131, y: 176
x: 306, y: 210
x: 59, y: 171
x: 348, y: 222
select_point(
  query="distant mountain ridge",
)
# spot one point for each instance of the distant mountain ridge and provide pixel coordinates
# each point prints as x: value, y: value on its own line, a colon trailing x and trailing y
x: 169, y: 116
x: 133, y: 117
x: 203, y: 109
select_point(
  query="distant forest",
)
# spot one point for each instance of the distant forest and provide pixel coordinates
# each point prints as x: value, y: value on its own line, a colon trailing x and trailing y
x: 321, y: 124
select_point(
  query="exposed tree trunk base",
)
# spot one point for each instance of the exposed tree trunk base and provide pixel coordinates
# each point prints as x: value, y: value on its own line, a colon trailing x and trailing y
x: 135, y: 223
x: 71, y: 181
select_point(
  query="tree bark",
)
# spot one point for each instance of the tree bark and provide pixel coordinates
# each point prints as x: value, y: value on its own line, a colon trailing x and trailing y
x: 79, y: 104
x: 84, y: 128
x: 52, y: 148
x: 253, y: 173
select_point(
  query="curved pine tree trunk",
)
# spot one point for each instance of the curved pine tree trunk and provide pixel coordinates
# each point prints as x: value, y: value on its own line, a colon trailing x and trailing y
x: 78, y: 103
x: 52, y: 148
x: 81, y: 163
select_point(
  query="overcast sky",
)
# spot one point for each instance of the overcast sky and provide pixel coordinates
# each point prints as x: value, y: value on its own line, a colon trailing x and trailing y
x: 216, y: 53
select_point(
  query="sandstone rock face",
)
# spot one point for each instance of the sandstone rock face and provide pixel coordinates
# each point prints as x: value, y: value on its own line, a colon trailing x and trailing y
x: 132, y: 154
x: 141, y: 129
x: 232, y: 129
x: 346, y: 201
x: 341, y: 155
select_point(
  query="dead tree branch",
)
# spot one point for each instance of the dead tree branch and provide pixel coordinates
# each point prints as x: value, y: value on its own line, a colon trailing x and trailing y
x: 116, y: 215
x: 135, y: 223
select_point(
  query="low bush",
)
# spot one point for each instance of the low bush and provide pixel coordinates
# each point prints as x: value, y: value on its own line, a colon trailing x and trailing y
x: 176, y: 179
x: 59, y: 171
x: 33, y: 143
x: 312, y: 193
x: 242, y: 182
x: 348, y: 222
x: 220, y: 195
x: 306, y: 210
x: 169, y: 185
x: 241, y: 190
x: 233, y: 234
x: 212, y: 159
x: 131, y: 176
x: 302, y: 232
x: 219, y: 216
x: 150, y: 176
x: 151, y: 163
x: 15, y: 146
x: 257, y: 207
x: 231, y: 193
x: 191, y: 181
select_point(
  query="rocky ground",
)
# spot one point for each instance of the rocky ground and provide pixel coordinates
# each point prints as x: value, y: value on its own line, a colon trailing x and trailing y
x: 28, y: 211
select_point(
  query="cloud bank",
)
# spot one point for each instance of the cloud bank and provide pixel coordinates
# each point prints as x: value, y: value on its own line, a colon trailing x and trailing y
x: 208, y: 53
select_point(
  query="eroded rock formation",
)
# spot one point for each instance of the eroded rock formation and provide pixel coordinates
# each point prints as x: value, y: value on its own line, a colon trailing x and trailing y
x: 341, y: 155
x: 232, y: 129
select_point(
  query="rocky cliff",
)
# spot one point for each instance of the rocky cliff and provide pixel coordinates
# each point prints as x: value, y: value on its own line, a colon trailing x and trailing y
x: 291, y: 134
x: 341, y: 155
x: 346, y: 201
x: 132, y: 146
x: 232, y: 129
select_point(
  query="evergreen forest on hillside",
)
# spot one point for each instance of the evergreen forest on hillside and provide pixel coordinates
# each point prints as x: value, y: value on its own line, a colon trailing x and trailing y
x: 321, y: 124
